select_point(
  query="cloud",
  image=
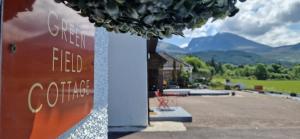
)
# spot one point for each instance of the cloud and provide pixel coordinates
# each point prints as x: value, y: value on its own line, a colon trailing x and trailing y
x: 272, y: 22
x: 178, y: 40
x: 292, y: 14
x: 24, y: 28
x: 184, y: 45
x: 257, y: 17
x: 207, y: 30
x: 279, y: 37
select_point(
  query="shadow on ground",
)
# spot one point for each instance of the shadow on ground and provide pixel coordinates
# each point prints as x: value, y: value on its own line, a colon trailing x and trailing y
x: 116, y: 135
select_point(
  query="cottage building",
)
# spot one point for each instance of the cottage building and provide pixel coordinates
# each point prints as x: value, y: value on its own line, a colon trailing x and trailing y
x: 172, y: 67
x: 163, y: 68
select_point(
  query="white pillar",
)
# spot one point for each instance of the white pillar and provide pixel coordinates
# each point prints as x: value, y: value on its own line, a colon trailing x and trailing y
x: 127, y: 98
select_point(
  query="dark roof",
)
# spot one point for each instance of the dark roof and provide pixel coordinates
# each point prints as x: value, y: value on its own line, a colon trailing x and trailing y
x: 168, y: 56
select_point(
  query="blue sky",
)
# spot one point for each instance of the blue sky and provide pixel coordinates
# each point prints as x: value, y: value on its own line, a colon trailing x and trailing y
x: 271, y: 22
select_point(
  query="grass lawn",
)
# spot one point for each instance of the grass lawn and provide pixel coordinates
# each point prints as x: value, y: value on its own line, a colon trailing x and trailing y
x: 269, y: 85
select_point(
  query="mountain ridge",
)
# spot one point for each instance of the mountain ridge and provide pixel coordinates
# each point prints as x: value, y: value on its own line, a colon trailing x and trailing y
x: 225, y: 42
x: 241, y: 47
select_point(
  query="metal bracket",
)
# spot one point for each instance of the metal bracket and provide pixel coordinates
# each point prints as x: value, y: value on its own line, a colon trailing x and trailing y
x: 13, y: 48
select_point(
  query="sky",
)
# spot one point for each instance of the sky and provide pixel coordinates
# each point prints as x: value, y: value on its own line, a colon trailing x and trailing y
x: 272, y: 22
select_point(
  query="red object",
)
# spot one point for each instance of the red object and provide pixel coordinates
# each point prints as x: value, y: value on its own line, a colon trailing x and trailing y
x: 162, y: 101
x: 47, y: 74
x: 259, y: 88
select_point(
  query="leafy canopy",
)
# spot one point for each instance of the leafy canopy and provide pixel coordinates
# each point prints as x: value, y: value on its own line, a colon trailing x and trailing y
x: 152, y: 18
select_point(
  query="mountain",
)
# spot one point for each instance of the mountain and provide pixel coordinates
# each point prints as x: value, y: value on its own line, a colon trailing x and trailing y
x: 169, y: 48
x: 234, y: 57
x: 225, y: 42
x: 289, y: 53
x: 234, y: 49
x: 295, y: 47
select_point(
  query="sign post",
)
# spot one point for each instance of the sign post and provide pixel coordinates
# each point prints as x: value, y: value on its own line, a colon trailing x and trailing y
x: 47, y: 79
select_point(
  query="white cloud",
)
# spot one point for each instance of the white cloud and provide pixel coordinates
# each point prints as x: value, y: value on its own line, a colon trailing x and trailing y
x: 178, y: 40
x: 25, y: 28
x: 206, y: 30
x: 265, y: 21
x: 279, y: 36
x: 184, y: 45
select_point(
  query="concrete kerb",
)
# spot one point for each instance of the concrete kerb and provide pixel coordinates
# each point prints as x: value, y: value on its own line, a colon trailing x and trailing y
x: 157, y: 126
x: 277, y: 94
x: 196, y: 92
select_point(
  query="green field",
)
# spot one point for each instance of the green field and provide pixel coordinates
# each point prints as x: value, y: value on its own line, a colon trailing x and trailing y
x: 269, y: 85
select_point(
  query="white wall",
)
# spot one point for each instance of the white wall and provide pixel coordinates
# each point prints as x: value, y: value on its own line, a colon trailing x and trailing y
x: 127, y: 98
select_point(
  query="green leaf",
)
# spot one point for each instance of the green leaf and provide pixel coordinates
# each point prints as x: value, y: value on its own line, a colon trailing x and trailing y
x: 152, y: 18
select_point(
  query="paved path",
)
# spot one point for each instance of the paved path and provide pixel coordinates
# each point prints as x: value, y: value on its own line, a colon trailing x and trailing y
x: 245, y: 116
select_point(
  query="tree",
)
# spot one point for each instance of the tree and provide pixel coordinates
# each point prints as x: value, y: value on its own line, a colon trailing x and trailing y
x: 229, y: 67
x: 261, y: 72
x: 276, y: 68
x: 220, y: 69
x: 201, y: 70
x: 249, y: 71
x: 296, y: 72
x: 197, y: 63
x: 213, y: 62
x: 152, y: 18
x: 216, y: 68
x: 183, y: 77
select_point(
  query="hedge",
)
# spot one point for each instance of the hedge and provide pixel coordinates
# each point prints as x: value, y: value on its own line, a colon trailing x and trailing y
x: 152, y: 18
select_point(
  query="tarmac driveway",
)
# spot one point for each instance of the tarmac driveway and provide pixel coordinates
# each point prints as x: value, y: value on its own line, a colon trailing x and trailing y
x: 244, y: 116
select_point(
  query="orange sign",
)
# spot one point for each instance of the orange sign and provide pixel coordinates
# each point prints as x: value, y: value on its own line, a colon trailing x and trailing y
x: 47, y: 82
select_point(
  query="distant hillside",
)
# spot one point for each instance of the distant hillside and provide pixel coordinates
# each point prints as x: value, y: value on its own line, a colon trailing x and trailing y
x: 231, y: 48
x: 225, y: 42
x: 234, y: 57
x: 289, y: 53
x: 169, y: 48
